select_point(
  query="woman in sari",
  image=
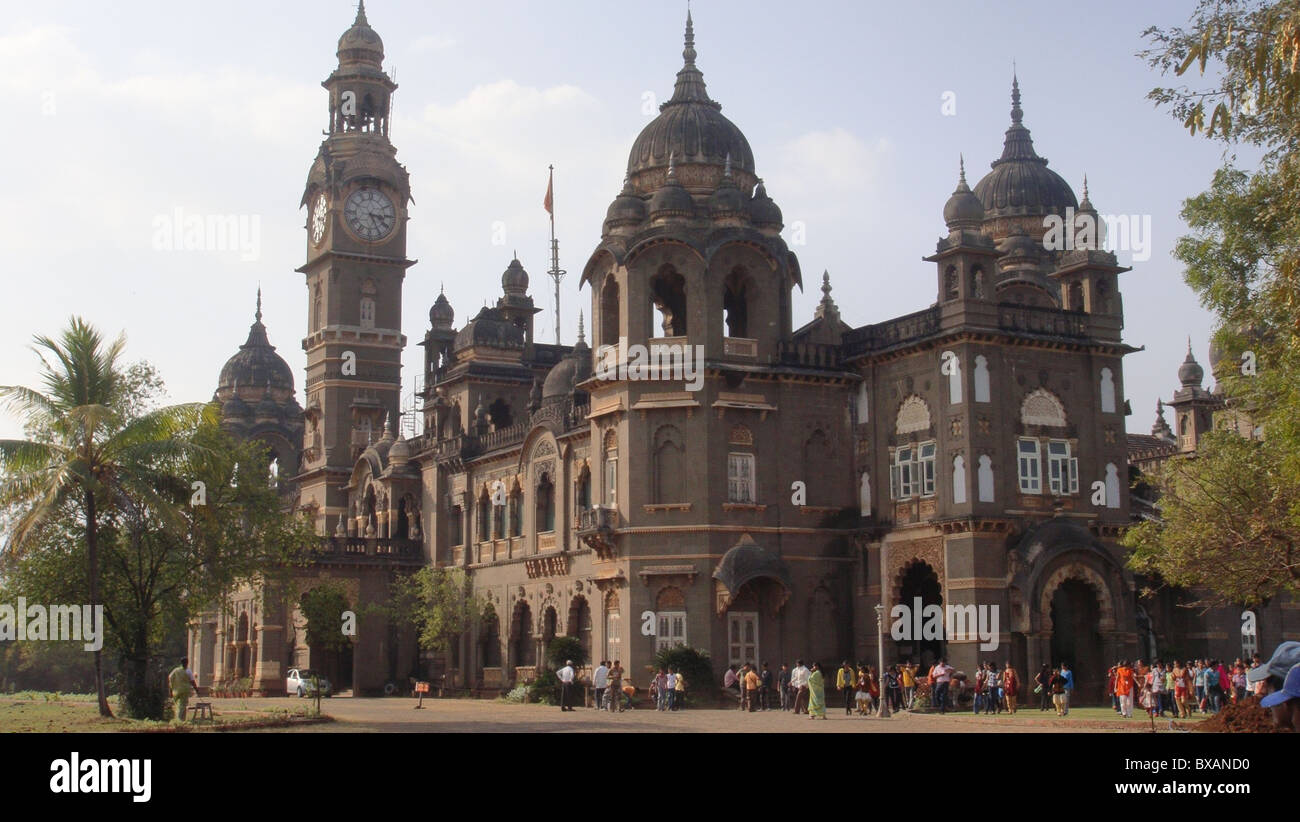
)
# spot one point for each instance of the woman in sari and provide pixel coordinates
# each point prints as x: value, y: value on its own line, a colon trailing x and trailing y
x: 816, y: 693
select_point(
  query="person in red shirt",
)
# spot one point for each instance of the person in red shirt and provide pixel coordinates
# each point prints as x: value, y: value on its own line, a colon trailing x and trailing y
x: 1010, y: 687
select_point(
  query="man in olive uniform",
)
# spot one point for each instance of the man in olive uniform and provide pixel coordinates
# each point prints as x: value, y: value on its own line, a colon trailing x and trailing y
x: 181, y: 685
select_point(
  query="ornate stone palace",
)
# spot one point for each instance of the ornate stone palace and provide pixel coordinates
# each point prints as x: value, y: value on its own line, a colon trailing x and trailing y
x: 971, y: 453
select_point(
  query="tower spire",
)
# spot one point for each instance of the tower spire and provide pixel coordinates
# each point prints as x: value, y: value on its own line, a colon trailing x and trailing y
x: 582, y: 334
x: 690, y: 81
x: 258, y: 315
x: 361, y: 15
x: 1016, y: 112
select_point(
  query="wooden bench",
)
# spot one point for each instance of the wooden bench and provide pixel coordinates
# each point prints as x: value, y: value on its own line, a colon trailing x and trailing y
x: 201, y: 710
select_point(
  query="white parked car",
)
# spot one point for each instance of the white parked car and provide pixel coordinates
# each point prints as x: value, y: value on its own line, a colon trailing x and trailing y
x: 299, y: 683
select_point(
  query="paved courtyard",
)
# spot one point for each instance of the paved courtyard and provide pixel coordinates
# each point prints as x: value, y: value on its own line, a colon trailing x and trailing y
x: 490, y: 716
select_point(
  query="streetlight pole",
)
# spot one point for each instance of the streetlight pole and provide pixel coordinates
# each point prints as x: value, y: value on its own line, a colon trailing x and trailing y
x: 883, y: 713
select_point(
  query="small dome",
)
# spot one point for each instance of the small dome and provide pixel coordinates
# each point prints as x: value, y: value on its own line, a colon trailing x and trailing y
x: 441, y: 314
x: 234, y: 407
x: 514, y: 280
x: 400, y: 452
x: 361, y: 44
x: 627, y: 209
x: 267, y: 407
x: 489, y: 329
x: 963, y: 209
x: 727, y: 201
x: 1190, y: 373
x: 672, y: 200
x: 575, y: 368
x: 1017, y: 247
x: 762, y: 209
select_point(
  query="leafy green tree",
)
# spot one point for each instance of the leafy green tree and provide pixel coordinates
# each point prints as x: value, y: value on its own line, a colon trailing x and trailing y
x: 692, y: 663
x: 87, y: 445
x: 322, y: 607
x: 437, y: 602
x: 1242, y: 257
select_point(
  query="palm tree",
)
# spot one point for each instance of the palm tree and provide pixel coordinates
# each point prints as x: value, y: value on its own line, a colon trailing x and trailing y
x: 89, y: 444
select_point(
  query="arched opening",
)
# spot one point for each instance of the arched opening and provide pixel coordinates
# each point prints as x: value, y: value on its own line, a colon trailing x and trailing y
x: 372, y: 516
x: 669, y: 465
x: 403, y: 519
x: 490, y: 638
x: 523, y: 650
x: 579, y: 624
x: 367, y: 312
x: 668, y: 296
x: 1075, y: 639
x: 978, y: 283
x: 613, y: 627
x: 484, y: 516
x: 499, y: 414
x: 242, y: 651
x: 735, y: 303
x: 609, y: 308
x: 950, y: 287
x: 516, y: 510
x: 550, y: 622
x: 919, y: 582
x: 545, y: 509
x: 582, y: 493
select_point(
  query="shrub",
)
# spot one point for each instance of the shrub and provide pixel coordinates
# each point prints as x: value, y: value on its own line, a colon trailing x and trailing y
x: 517, y: 695
x: 545, y: 689
x: 692, y: 663
x: 564, y: 648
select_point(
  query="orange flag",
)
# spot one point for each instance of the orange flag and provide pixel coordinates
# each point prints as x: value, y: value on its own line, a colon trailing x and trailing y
x: 549, y: 202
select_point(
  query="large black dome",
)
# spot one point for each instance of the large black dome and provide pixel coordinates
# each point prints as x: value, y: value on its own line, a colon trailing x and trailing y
x: 256, y: 363
x: 1020, y: 183
x: 690, y: 127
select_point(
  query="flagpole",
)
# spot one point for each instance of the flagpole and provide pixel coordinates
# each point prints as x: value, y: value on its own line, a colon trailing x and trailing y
x: 556, y: 273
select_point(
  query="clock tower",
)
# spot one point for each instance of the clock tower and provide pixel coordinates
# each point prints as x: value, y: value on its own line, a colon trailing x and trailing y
x: 356, y: 199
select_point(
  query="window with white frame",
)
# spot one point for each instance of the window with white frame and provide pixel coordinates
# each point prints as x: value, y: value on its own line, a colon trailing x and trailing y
x: 1030, y: 479
x: 740, y: 478
x: 926, y: 468
x: 672, y: 630
x: 1062, y: 469
x: 911, y: 473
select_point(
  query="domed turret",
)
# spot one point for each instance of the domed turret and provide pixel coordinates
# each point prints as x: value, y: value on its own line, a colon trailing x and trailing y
x: 671, y: 200
x: 1020, y: 183
x: 728, y: 201
x: 763, y: 210
x: 690, y: 127
x: 963, y: 209
x: 564, y: 377
x: 514, y: 281
x: 234, y: 407
x: 400, y: 454
x: 627, y: 209
x: 1190, y: 373
x: 361, y: 45
x: 256, y: 362
x: 441, y: 315
x: 267, y: 408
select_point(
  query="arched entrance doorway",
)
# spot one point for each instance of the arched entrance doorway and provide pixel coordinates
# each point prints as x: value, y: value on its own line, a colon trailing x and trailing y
x: 490, y: 640
x: 1078, y: 622
x: 1076, y: 639
x: 919, y: 582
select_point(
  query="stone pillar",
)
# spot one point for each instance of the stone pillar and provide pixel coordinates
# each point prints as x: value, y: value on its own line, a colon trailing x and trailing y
x: 268, y: 670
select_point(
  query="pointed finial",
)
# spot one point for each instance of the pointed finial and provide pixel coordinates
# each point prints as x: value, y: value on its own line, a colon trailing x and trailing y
x: 258, y: 315
x: 1189, y: 345
x: 1086, y: 203
x: 961, y: 169
x: 1016, y: 112
x: 361, y: 14
x: 442, y: 288
x: 826, y: 283
x: 582, y: 334
x: 689, y: 52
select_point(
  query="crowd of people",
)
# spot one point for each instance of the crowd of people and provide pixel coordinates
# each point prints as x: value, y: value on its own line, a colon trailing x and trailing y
x: 1177, y: 689
x: 1205, y: 686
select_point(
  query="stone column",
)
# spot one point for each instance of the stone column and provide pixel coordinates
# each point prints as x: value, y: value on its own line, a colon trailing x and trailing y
x: 268, y: 669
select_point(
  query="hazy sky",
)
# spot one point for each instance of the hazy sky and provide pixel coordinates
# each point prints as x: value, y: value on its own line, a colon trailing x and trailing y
x: 121, y: 114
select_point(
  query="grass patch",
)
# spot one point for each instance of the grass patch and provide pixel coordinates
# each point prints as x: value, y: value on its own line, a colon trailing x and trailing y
x: 32, y: 713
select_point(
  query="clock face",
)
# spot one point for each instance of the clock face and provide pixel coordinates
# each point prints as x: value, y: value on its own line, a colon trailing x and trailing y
x: 370, y: 214
x: 318, y: 216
